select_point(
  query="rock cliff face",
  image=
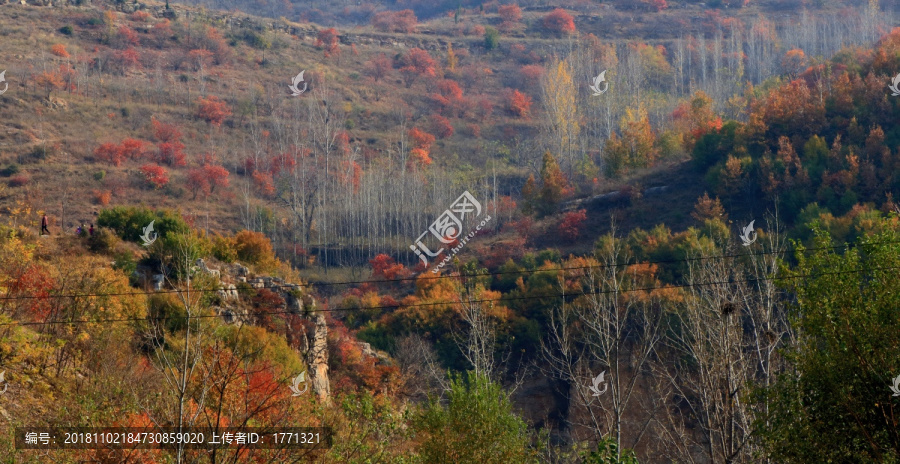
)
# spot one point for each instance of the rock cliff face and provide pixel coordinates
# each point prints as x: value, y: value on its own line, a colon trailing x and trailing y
x: 317, y: 360
x: 313, y: 344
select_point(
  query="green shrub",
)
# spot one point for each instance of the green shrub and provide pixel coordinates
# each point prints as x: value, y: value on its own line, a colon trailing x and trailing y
x: 38, y: 153
x: 10, y: 170
x: 180, y: 251
x: 491, y: 38
x: 245, y: 290
x: 477, y: 425
x: 66, y: 30
x: 608, y: 453
x: 125, y: 261
x: 715, y: 146
x: 378, y: 336
x: 99, y: 175
x: 223, y: 248
x: 129, y: 221
x: 104, y: 240
x: 165, y: 310
x: 257, y: 40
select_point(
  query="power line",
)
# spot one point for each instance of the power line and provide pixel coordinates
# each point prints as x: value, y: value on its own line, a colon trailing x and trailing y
x: 486, y: 300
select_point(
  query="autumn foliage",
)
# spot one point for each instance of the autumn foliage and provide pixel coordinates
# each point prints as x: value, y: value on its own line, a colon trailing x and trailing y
x: 656, y: 5
x: 417, y: 64
x: 554, y: 188
x: 254, y: 248
x: 328, y: 40
x: 518, y: 103
x: 572, y: 222
x: 114, y: 154
x: 204, y: 179
x: 695, y: 119
x: 509, y: 14
x: 155, y: 175
x: 395, y: 21
x: 59, y: 50
x: 384, y: 267
x: 441, y: 126
x: 379, y: 67
x: 559, y: 21
x: 421, y: 142
x: 169, y: 146
x: 212, y: 110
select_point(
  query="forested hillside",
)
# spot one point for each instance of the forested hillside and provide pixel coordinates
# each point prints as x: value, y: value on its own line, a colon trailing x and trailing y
x: 579, y: 232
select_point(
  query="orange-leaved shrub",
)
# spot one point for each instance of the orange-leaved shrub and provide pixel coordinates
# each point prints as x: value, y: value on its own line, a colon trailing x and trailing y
x: 256, y: 249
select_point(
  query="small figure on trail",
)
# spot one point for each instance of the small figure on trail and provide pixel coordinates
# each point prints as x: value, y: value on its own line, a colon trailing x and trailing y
x: 44, y: 223
x: 91, y: 231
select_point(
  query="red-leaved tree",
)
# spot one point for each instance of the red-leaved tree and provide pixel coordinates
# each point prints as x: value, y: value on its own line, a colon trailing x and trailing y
x: 559, y: 22
x: 417, y: 63
x: 395, y: 21
x: 155, y: 174
x: 379, y: 67
x: 384, y: 267
x: 510, y: 13
x: 206, y: 178
x: 421, y: 142
x: 169, y: 146
x: 571, y: 224
x: 518, y: 103
x: 328, y: 39
x: 114, y: 154
x: 441, y: 126
x: 212, y: 110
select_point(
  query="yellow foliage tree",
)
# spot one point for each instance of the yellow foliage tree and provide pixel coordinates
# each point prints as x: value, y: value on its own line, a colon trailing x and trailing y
x: 452, y: 60
x: 636, y: 147
x: 563, y: 118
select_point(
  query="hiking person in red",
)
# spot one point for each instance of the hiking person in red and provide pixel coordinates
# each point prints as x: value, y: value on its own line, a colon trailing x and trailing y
x: 44, y: 225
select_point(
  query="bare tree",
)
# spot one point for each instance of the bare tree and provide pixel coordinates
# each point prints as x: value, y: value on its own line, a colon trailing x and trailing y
x: 179, y: 362
x: 419, y: 366
x: 723, y: 338
x: 480, y: 341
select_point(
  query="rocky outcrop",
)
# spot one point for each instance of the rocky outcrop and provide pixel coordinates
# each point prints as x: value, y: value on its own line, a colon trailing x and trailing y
x: 158, y: 280
x: 317, y: 360
x: 228, y: 292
